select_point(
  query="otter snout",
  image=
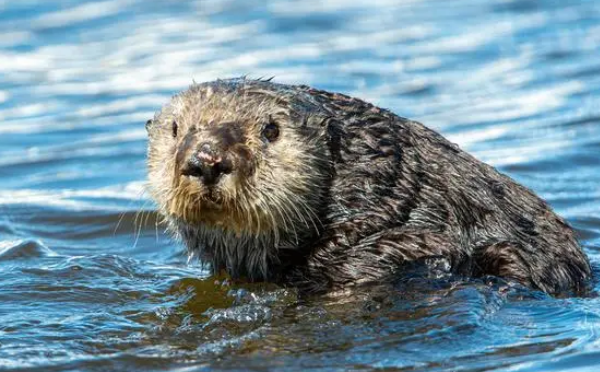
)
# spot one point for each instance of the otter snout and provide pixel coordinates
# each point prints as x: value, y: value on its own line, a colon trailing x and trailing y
x: 207, y: 164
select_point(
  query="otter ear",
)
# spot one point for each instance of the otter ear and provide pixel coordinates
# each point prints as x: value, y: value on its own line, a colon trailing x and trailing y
x: 327, y: 124
x: 316, y: 121
x: 332, y: 129
x: 149, y: 124
x: 335, y: 135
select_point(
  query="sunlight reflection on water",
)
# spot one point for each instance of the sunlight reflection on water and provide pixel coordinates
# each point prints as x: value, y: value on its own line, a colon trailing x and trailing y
x: 88, y: 280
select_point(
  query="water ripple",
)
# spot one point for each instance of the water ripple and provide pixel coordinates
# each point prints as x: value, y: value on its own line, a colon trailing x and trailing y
x: 89, y: 280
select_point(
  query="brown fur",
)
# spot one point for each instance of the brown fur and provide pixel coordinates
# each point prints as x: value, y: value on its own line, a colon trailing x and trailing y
x: 347, y: 193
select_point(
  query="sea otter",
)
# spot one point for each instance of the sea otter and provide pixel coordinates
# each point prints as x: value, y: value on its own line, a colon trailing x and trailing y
x: 322, y: 191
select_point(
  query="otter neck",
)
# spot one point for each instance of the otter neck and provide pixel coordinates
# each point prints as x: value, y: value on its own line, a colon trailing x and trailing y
x: 255, y: 257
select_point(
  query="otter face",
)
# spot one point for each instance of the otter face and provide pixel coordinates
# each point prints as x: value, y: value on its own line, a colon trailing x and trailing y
x: 237, y: 159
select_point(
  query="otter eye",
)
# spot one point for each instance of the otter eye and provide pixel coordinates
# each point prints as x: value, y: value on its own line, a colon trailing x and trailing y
x: 270, y: 132
x: 174, y: 128
x: 149, y: 124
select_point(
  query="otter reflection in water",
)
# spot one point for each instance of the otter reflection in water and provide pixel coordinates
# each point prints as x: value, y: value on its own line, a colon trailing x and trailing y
x: 322, y: 191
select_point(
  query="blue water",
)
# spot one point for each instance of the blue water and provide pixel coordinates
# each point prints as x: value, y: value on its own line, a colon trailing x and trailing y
x: 89, y: 280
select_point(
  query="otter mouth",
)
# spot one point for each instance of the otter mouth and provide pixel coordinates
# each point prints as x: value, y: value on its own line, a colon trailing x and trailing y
x: 212, y: 199
x: 199, y: 195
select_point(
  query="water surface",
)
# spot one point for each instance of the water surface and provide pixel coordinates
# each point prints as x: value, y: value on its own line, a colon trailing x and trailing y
x: 89, y: 283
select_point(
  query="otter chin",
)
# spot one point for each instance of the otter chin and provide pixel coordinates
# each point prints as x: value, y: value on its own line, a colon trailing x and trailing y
x: 322, y: 191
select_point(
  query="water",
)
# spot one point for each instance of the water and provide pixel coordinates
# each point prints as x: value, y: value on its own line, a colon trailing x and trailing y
x: 88, y: 283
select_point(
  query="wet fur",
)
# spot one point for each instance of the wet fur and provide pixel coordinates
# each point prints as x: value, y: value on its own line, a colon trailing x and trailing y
x: 350, y: 193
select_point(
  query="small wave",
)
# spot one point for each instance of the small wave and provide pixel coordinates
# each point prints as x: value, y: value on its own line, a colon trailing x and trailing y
x: 24, y: 248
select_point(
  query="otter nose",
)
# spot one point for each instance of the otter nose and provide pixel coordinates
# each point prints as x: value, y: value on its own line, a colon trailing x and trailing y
x: 206, y: 164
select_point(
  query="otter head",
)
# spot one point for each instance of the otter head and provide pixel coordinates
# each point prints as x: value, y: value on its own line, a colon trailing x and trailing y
x: 241, y: 158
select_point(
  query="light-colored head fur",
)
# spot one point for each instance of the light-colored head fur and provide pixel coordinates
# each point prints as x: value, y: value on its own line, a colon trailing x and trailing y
x: 269, y: 200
